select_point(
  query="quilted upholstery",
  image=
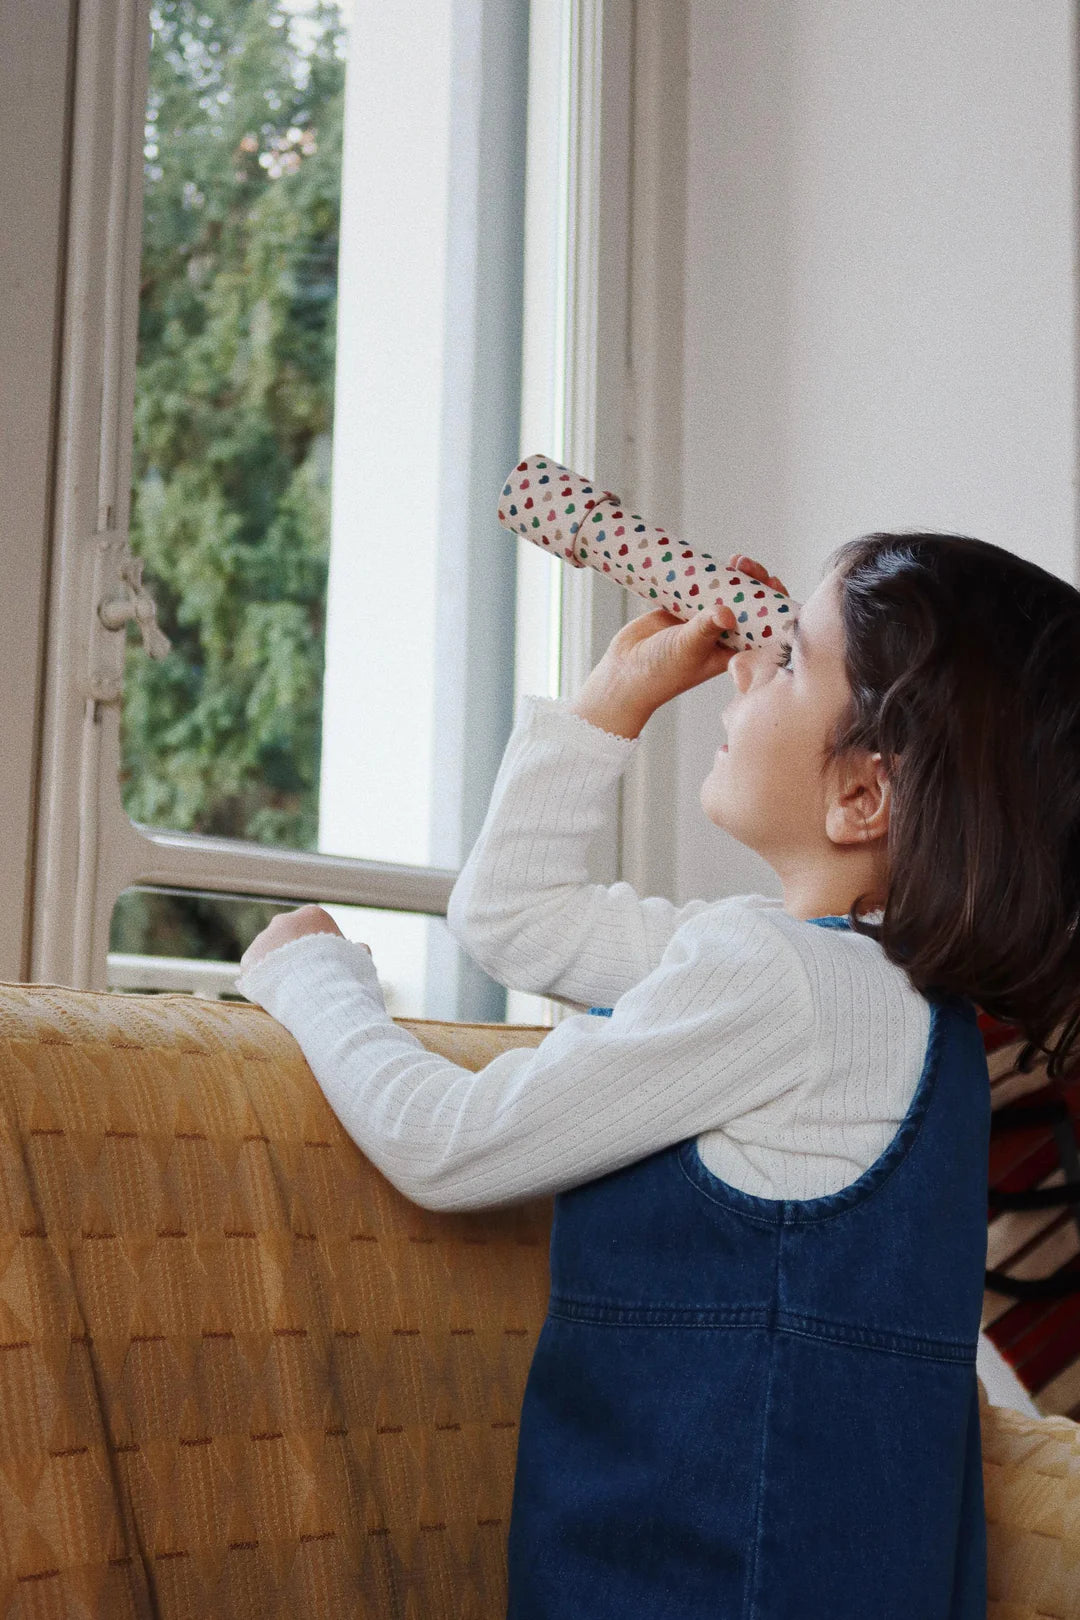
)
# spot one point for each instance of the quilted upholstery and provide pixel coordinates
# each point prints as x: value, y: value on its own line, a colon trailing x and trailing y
x: 1031, y: 1482
x: 242, y: 1376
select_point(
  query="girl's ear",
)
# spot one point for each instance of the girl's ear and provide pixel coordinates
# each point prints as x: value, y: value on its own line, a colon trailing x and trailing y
x: 859, y: 812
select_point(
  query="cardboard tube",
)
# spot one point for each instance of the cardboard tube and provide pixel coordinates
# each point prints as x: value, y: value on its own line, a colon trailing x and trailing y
x: 565, y: 513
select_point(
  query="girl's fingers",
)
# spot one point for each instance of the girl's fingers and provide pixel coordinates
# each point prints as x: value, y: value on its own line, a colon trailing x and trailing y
x: 720, y: 619
x: 746, y: 565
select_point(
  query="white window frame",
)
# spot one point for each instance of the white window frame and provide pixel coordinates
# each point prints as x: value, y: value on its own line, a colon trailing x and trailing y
x: 574, y: 405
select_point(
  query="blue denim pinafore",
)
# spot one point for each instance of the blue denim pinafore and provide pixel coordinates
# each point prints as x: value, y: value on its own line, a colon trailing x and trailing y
x: 745, y: 1408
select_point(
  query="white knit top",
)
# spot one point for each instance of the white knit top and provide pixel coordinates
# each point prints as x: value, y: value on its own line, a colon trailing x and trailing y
x: 790, y: 1051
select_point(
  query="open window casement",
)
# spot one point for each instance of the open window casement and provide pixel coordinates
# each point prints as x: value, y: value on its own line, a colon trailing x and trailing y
x: 568, y: 373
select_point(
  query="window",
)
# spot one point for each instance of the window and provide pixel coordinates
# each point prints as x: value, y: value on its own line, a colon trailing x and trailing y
x: 293, y: 448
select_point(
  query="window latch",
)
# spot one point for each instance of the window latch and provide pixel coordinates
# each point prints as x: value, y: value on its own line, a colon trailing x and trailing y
x: 136, y: 603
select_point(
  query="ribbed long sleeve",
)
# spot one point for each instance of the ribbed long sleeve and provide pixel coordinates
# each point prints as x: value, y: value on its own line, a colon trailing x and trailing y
x: 522, y: 905
x: 791, y: 1052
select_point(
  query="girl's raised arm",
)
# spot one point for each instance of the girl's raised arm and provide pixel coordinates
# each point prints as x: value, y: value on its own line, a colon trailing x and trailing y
x: 523, y: 905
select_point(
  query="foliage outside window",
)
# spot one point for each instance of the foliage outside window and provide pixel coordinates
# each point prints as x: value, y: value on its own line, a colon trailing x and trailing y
x: 233, y: 415
x: 234, y: 399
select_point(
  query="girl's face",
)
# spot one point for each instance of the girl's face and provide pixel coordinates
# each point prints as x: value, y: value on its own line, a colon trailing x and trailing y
x: 766, y: 788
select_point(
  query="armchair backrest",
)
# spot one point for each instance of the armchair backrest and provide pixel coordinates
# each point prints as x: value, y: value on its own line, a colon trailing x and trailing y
x: 240, y: 1374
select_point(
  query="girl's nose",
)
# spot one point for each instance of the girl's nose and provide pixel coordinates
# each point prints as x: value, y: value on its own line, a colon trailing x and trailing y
x: 741, y: 668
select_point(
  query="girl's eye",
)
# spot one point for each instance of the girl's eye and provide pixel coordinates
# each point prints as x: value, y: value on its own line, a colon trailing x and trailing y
x: 784, y: 659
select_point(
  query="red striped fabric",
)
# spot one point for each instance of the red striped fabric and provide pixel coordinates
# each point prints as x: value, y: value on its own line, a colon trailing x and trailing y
x: 1039, y: 1338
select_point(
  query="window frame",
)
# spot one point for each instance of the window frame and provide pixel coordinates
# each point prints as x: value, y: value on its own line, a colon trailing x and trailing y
x: 35, y: 89
x: 87, y: 849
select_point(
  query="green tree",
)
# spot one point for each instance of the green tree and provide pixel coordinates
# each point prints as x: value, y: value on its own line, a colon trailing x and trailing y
x: 233, y: 415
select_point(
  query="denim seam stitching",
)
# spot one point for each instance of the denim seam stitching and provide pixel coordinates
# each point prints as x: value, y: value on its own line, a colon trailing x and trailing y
x: 918, y: 1350
x: 804, y: 1321
x: 750, y: 1603
x: 721, y: 1203
x: 596, y: 1313
x: 575, y: 1306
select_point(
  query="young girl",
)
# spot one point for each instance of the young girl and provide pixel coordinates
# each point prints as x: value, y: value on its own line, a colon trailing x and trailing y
x: 754, y: 1394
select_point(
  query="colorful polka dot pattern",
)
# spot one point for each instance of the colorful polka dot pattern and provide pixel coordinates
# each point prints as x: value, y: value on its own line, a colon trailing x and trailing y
x: 561, y: 511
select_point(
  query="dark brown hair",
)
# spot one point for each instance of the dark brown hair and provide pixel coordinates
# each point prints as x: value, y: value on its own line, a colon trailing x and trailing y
x: 964, y: 667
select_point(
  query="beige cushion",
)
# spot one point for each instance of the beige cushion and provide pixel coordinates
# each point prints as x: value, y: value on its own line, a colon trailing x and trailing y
x: 1031, y: 1483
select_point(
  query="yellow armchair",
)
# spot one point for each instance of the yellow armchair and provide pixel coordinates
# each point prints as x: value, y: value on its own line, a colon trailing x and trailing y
x: 242, y: 1376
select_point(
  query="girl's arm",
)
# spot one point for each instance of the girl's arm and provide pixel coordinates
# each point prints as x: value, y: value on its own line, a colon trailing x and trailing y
x: 523, y: 905
x: 721, y: 1026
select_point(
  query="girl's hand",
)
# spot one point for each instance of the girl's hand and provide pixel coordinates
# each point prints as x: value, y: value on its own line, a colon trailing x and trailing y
x: 746, y: 565
x: 289, y: 925
x: 656, y: 656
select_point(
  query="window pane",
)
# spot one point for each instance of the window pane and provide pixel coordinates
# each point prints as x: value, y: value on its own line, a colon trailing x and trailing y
x: 233, y: 415
x: 174, y: 939
x: 337, y: 588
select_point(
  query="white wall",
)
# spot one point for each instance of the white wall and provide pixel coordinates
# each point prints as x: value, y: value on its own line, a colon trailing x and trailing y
x: 880, y: 301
